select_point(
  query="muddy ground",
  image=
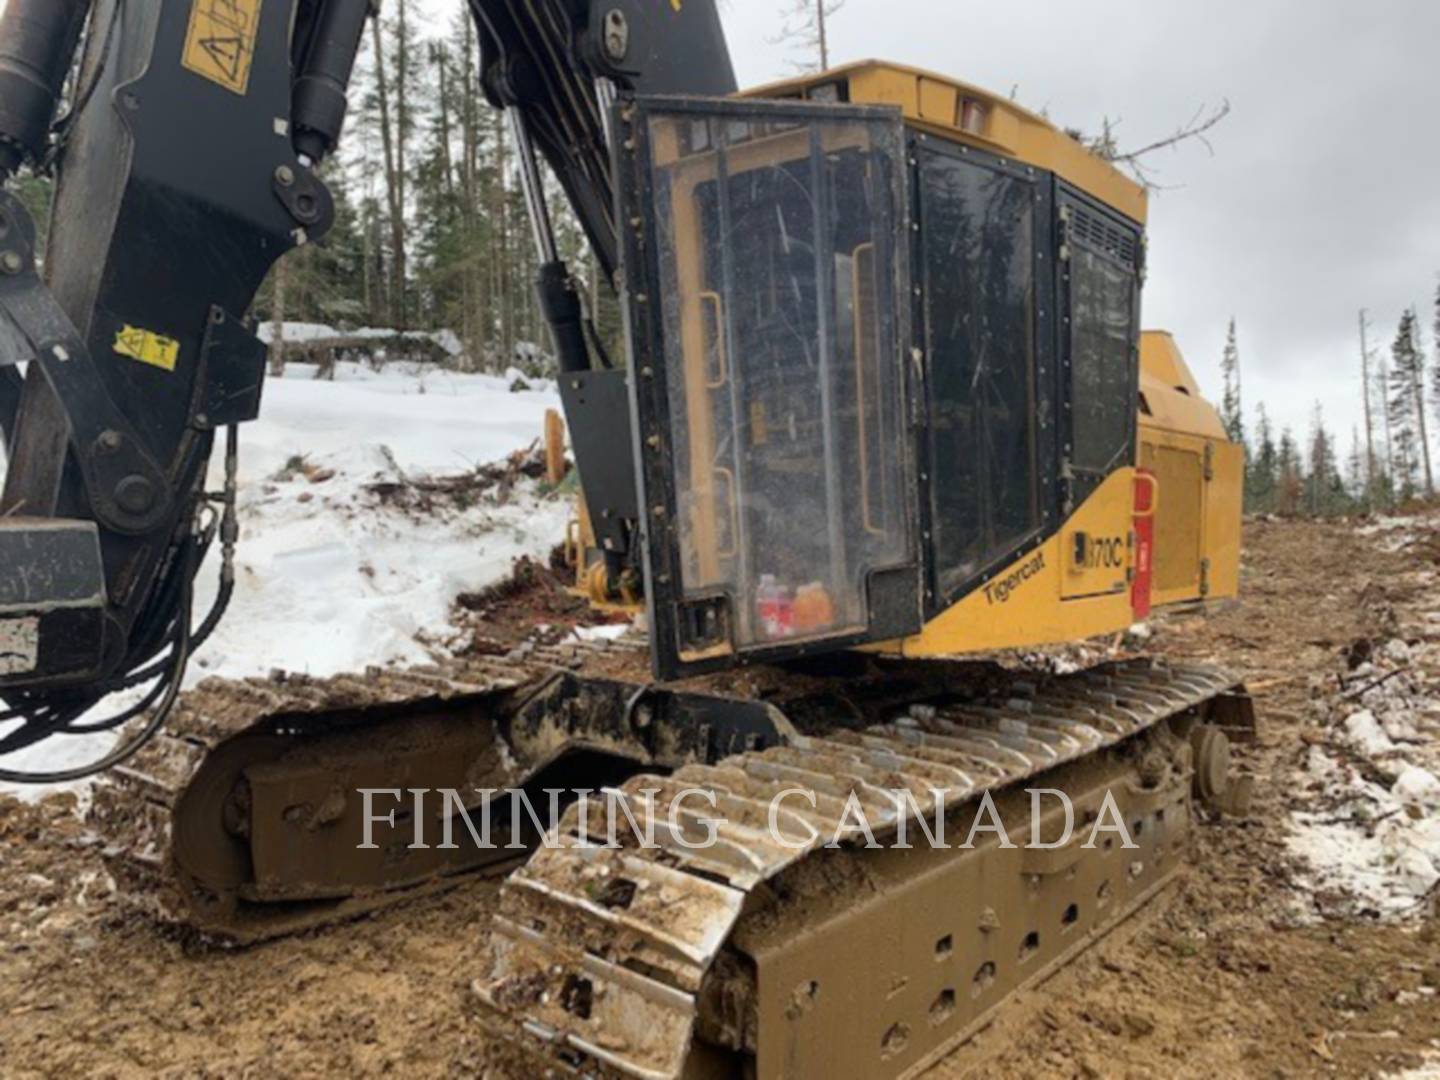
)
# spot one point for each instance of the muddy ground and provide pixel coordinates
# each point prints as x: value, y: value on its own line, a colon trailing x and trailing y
x: 1223, y: 977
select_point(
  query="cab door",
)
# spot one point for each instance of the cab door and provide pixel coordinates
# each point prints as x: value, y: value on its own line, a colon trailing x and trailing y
x: 766, y: 288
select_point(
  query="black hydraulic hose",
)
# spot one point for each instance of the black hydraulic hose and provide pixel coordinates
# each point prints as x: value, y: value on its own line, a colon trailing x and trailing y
x: 198, y: 638
x: 154, y: 629
x: 39, y: 725
x: 157, y: 719
x: 51, y: 716
x: 60, y: 133
x: 158, y: 622
x: 119, y: 719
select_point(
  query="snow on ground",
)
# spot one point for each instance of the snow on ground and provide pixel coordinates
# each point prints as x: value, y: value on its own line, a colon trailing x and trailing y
x: 1429, y: 1069
x: 1392, y: 532
x: 1370, y: 826
x: 331, y: 578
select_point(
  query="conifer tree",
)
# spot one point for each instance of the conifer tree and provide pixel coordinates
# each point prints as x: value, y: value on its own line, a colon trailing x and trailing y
x: 1290, y: 479
x: 1231, y: 411
x: 1262, y: 466
x: 1320, y: 480
x: 1405, y: 411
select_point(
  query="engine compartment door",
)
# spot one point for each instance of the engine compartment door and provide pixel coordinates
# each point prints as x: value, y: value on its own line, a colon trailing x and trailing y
x: 766, y: 273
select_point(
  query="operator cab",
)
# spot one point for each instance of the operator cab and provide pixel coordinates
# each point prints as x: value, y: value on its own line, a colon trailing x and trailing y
x: 884, y: 333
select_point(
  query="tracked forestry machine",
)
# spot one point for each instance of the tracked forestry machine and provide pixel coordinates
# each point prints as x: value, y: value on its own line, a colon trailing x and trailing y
x: 885, y: 412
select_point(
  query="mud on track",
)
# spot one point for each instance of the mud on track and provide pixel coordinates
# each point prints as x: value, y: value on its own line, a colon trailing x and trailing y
x: 1230, y: 974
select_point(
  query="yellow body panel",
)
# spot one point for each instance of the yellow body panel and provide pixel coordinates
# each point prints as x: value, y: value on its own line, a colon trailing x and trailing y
x: 1170, y: 397
x: 963, y: 113
x: 1200, y: 475
x: 1222, y: 521
x: 1044, y: 597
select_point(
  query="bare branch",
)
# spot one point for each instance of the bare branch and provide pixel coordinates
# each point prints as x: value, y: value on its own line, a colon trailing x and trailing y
x: 1106, y: 145
x: 1198, y: 127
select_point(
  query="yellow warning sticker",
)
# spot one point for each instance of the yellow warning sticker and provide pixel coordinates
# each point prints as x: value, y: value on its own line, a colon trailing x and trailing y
x: 220, y: 45
x: 148, y: 347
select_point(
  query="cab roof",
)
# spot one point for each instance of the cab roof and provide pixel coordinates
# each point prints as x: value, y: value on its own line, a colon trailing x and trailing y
x: 966, y: 114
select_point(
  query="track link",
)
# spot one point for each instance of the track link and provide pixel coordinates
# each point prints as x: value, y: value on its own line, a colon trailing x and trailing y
x: 657, y: 959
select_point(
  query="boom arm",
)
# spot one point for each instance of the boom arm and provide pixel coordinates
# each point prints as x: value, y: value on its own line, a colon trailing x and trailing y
x: 556, y: 63
x: 185, y: 168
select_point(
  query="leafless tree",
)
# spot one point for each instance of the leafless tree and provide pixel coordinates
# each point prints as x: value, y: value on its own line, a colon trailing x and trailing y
x: 1369, y: 392
x: 806, y: 30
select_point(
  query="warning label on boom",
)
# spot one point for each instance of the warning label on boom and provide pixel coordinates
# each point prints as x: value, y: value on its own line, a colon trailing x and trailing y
x: 148, y: 347
x: 220, y: 45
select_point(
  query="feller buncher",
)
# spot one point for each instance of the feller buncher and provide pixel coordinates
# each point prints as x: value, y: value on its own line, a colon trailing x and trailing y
x: 876, y: 420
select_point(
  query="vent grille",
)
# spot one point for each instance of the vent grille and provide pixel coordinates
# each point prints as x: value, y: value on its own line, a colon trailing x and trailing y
x: 1095, y: 231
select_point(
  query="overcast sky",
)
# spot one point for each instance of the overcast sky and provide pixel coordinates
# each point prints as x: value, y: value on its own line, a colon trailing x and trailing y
x: 1323, y: 194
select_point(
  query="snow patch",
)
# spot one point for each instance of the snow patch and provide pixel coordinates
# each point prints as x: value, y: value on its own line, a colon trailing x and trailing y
x: 1368, y: 820
x: 1429, y: 1069
x: 601, y: 633
x: 1417, y: 787
x: 1365, y: 734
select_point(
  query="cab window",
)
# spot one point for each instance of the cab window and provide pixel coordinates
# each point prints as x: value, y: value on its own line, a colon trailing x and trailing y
x: 979, y: 228
x: 1103, y: 346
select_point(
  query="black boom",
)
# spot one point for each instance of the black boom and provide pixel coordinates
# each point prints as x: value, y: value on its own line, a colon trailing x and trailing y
x: 185, y: 167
